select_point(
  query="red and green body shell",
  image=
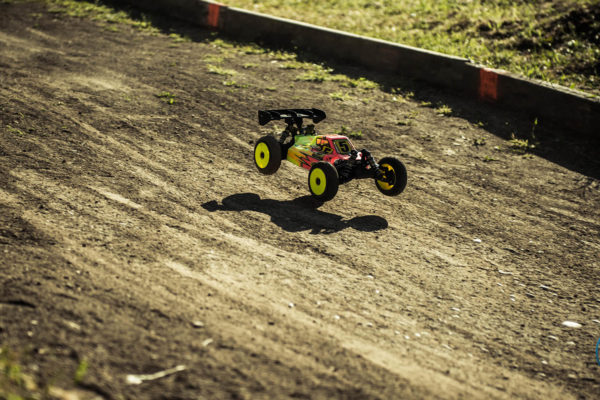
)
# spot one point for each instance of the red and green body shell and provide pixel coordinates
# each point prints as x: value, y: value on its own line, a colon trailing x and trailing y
x: 308, y: 150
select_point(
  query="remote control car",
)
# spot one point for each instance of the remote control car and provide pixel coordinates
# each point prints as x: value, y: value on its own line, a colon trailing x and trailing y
x: 331, y: 160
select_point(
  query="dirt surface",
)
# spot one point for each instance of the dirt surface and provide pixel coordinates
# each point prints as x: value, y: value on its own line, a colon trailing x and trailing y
x: 137, y: 236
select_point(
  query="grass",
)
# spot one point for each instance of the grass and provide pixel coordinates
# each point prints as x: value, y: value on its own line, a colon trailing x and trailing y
x: 520, y: 146
x: 14, y: 383
x: 177, y: 38
x: 105, y: 15
x: 234, y: 84
x: 479, y: 142
x: 167, y: 97
x: 443, y: 110
x: 14, y: 130
x: 215, y: 69
x: 551, y: 40
x: 80, y: 371
x: 340, y: 96
x: 345, y: 131
x: 318, y: 73
x: 309, y: 72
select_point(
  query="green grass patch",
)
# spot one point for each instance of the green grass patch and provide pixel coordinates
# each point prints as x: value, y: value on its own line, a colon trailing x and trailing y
x: 345, y: 131
x: 14, y: 383
x: 99, y: 12
x: 520, y: 146
x: 15, y: 131
x: 167, y: 97
x: 232, y: 83
x: 213, y: 59
x: 443, y: 110
x: 293, y: 65
x: 318, y: 75
x: 252, y: 49
x: 340, y: 96
x: 177, y: 38
x: 215, y: 69
x: 479, y: 142
x: 81, y: 371
x: 552, y: 40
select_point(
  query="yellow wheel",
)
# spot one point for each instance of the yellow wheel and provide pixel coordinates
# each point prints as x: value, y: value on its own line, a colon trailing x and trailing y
x: 318, y: 182
x: 261, y: 155
x: 267, y: 155
x: 393, y: 179
x: 323, y: 181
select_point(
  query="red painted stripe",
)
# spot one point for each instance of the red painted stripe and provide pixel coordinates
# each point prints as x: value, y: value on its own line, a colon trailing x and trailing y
x: 214, y: 10
x: 488, y: 85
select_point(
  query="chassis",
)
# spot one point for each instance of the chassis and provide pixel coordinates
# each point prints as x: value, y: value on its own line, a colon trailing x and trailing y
x: 332, y: 160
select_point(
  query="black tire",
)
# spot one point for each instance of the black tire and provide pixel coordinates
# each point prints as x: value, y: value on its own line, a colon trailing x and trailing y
x: 323, y: 181
x: 395, y: 174
x: 267, y: 155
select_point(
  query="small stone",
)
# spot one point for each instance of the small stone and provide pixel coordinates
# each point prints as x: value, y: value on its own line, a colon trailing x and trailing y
x: 406, y: 337
x: 571, y: 324
x: 370, y: 276
x: 596, y: 321
x: 198, y: 324
x: 570, y: 343
x: 552, y: 337
x: 504, y: 272
x: 73, y: 326
x: 529, y: 295
x: 455, y: 309
x: 207, y: 342
x: 477, y: 240
x: 369, y: 324
x: 336, y: 317
x: 544, y: 287
x: 544, y: 362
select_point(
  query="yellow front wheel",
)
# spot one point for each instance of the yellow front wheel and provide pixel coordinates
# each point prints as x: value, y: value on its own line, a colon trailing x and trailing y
x: 267, y: 155
x: 393, y: 179
x: 323, y: 181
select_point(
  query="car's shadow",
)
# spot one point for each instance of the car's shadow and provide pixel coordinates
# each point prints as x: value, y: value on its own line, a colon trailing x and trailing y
x: 297, y: 215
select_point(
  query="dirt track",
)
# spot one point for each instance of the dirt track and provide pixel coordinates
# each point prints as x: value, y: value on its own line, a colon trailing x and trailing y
x: 124, y: 220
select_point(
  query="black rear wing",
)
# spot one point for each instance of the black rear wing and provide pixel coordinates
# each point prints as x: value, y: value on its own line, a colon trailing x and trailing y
x: 291, y: 115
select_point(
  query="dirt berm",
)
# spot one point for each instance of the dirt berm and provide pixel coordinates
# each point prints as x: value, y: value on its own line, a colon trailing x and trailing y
x: 137, y: 236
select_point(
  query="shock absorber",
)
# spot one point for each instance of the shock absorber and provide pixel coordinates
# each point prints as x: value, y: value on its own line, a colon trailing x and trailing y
x: 345, y: 169
x: 368, y: 158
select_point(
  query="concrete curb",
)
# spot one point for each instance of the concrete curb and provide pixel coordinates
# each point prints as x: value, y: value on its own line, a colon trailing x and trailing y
x: 569, y: 109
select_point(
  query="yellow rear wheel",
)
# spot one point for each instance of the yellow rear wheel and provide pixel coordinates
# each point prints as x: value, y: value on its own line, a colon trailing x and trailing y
x: 267, y: 155
x: 261, y: 155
